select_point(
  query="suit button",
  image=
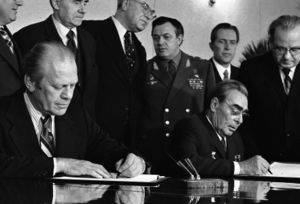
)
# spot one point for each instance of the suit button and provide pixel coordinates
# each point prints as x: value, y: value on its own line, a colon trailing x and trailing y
x: 167, y: 110
x: 288, y: 135
x: 187, y: 110
x: 126, y: 108
x: 167, y: 134
x: 167, y: 122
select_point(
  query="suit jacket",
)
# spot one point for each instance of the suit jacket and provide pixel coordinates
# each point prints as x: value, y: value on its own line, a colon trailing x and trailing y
x: 77, y: 136
x: 43, y: 31
x: 119, y: 93
x: 165, y: 103
x: 195, y: 138
x: 274, y: 117
x: 234, y: 72
x: 11, y: 79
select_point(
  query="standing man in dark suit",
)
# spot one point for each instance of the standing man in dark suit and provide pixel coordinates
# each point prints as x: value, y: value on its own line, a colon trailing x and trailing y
x: 62, y: 26
x: 273, y: 81
x: 224, y: 39
x: 10, y: 57
x: 43, y: 133
x: 176, y: 86
x: 211, y: 141
x: 120, y: 58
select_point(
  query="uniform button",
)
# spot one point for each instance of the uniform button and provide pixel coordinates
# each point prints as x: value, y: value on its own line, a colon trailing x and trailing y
x: 288, y: 135
x: 187, y: 110
x: 167, y: 134
x: 167, y: 122
x: 167, y: 110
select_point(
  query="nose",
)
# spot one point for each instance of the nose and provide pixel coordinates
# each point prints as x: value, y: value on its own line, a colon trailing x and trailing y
x: 239, y: 119
x: 287, y: 54
x: 67, y: 93
x: 82, y: 8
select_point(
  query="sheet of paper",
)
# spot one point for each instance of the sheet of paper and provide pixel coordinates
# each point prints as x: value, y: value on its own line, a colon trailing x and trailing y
x: 143, y: 178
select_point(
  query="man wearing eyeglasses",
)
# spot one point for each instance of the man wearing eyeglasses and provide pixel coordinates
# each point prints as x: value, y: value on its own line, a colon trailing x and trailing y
x: 211, y: 140
x: 273, y: 81
x: 120, y: 58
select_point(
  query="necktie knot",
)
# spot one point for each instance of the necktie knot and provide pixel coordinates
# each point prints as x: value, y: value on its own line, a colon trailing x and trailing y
x: 287, y: 80
x: 71, y: 42
x: 226, y: 74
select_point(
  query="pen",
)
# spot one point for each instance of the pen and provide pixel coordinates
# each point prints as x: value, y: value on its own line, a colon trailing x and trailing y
x: 181, y: 165
x: 269, y: 170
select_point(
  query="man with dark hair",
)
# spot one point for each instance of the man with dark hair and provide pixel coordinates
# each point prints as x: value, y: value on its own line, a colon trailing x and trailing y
x: 121, y: 58
x: 43, y: 133
x: 224, y: 39
x: 273, y: 81
x: 10, y: 56
x: 211, y: 140
x: 176, y: 86
x: 62, y: 26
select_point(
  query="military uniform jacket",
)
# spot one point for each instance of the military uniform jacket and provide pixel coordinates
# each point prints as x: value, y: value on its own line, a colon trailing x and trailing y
x: 166, y: 104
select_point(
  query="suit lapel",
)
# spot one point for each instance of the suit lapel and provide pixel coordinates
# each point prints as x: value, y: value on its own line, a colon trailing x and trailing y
x: 114, y: 45
x: 214, y: 139
x: 295, y: 88
x: 216, y: 73
x: 51, y: 32
x: 22, y: 131
x: 184, y: 70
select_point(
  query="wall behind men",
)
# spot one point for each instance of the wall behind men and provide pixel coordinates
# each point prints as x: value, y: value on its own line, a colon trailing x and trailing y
x: 252, y: 17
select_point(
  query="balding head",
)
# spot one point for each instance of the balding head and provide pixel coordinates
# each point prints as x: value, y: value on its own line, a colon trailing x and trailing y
x: 50, y: 77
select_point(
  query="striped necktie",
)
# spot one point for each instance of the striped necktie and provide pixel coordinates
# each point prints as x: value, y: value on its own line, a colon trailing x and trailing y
x: 71, y: 42
x: 287, y: 80
x: 6, y: 38
x: 129, y: 50
x: 226, y: 75
x: 47, y: 139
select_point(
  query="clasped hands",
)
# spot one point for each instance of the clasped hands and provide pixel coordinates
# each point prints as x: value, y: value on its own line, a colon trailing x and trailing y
x: 130, y: 166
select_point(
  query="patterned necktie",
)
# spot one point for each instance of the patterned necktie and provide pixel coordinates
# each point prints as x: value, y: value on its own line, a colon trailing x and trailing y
x: 129, y: 50
x: 225, y: 74
x: 7, y: 39
x: 287, y: 80
x: 47, y: 139
x: 71, y: 42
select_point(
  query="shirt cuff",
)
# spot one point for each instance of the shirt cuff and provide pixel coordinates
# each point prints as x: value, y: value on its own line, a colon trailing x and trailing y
x: 55, y: 166
x: 237, y: 168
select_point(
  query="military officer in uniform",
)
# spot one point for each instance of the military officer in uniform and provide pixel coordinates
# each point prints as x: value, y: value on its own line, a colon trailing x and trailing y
x: 176, y: 85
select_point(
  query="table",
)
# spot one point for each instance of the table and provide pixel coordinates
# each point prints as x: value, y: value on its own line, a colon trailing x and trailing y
x: 237, y: 191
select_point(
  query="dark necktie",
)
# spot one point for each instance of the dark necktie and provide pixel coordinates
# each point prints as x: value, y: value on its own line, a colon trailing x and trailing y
x: 224, y: 143
x: 287, y: 80
x: 171, y: 69
x: 7, y: 39
x: 47, y: 139
x: 129, y: 50
x: 225, y: 74
x: 71, y: 42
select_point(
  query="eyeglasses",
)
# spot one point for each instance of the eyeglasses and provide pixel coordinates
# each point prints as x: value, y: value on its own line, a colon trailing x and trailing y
x: 282, y: 50
x: 236, y: 110
x: 149, y: 13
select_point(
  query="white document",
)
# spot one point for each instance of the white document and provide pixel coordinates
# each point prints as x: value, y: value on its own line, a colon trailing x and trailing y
x: 143, y: 178
x: 285, y: 170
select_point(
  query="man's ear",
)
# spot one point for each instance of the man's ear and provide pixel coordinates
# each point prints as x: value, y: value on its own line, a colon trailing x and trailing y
x: 30, y: 85
x: 211, y: 46
x: 55, y: 4
x: 214, y: 104
x: 180, y: 39
x: 125, y: 5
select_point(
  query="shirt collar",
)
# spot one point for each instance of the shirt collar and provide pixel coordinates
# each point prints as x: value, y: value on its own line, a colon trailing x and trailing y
x: 120, y: 29
x: 221, y: 68
x: 63, y: 31
x: 176, y: 59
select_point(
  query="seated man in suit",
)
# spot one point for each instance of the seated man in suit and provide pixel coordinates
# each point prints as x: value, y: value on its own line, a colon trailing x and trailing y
x: 224, y: 39
x: 211, y: 139
x: 44, y: 132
